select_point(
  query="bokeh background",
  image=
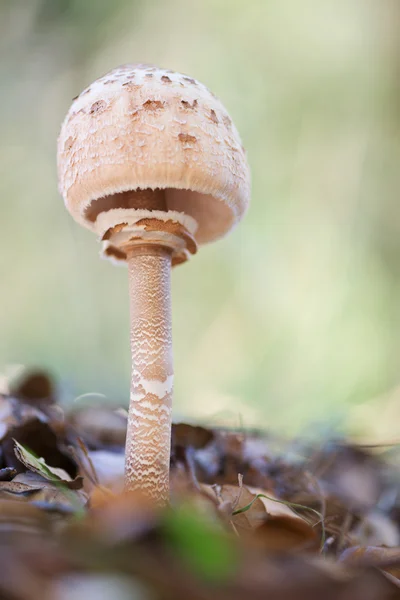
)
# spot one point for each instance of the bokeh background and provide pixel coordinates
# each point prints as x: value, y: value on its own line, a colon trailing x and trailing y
x: 294, y: 319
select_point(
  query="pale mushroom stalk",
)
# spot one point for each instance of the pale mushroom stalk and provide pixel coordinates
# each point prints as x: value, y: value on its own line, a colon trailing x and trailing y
x: 150, y: 409
x: 150, y: 161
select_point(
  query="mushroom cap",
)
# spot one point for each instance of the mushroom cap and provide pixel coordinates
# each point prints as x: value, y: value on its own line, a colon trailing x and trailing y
x: 141, y: 127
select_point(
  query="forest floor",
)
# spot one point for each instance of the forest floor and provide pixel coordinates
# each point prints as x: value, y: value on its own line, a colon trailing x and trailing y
x: 251, y: 516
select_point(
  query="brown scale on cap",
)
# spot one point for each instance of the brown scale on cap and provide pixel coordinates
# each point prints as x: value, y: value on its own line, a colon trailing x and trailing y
x: 150, y: 160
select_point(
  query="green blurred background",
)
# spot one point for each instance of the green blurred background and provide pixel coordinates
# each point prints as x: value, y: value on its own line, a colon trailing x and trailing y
x: 294, y: 318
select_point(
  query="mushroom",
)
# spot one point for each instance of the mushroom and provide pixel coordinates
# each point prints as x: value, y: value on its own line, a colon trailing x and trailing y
x: 150, y: 161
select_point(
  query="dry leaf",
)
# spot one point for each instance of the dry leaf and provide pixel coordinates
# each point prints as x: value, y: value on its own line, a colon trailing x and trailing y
x: 38, y: 465
x: 273, y: 505
x: 99, y: 426
x: 192, y: 436
x: 41, y: 439
x: 32, y: 386
x: 374, y: 555
x: 35, y: 488
x: 286, y: 533
x: 7, y: 474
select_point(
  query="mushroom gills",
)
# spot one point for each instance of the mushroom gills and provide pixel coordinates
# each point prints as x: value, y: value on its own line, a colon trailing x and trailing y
x: 141, y: 217
x: 139, y: 199
x: 207, y: 210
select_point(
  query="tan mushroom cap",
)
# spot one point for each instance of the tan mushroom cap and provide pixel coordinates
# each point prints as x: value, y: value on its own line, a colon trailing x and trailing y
x: 140, y: 127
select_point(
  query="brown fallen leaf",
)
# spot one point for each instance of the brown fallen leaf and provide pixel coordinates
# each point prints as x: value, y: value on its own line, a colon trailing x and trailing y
x: 374, y: 555
x: 190, y: 436
x: 100, y: 427
x: 13, y: 490
x: 32, y: 386
x: 273, y: 505
x: 120, y: 517
x: 40, y: 438
x: 287, y: 534
x: 14, y: 414
x: 237, y: 498
x: 377, y: 529
x: 351, y: 472
x: 284, y: 530
x: 21, y: 517
x: 38, y: 465
x: 19, y: 486
x: 273, y: 525
x: 7, y: 474
x: 35, y: 488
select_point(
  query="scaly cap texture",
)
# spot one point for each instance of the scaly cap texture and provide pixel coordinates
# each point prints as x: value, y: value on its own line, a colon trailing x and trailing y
x: 141, y: 127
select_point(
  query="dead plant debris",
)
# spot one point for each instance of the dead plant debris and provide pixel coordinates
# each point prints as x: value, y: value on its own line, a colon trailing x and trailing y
x: 248, y: 518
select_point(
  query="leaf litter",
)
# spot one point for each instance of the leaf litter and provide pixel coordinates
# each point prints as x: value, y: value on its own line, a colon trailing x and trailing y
x: 250, y: 516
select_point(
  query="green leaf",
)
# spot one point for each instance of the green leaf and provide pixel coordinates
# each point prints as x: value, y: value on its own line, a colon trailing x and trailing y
x: 206, y: 549
x: 38, y: 465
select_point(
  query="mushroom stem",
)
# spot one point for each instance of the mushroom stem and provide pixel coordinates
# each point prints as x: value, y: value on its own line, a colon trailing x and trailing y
x: 150, y: 409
